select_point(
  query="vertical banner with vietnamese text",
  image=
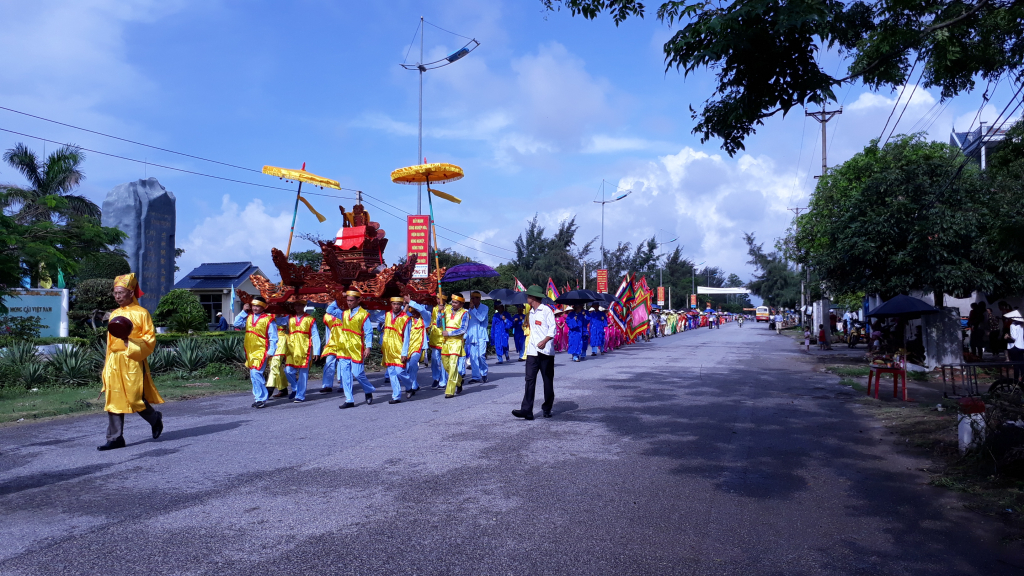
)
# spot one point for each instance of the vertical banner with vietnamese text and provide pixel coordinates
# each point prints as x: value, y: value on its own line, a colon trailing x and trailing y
x: 602, y: 281
x: 418, y: 242
x: 693, y: 300
x: 661, y: 295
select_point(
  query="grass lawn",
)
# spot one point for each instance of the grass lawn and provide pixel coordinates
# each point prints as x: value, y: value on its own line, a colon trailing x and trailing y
x: 16, y: 404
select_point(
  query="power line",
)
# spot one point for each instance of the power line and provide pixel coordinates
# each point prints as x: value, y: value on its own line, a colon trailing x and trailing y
x: 126, y: 140
x: 905, y: 104
x: 150, y: 163
x: 898, y: 98
x: 448, y: 31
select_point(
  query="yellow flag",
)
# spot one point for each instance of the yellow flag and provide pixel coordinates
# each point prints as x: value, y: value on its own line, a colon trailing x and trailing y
x: 319, y: 216
x: 444, y: 195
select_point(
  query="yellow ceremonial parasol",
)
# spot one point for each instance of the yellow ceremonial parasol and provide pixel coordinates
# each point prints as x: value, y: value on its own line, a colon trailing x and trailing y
x: 437, y: 173
x: 301, y: 176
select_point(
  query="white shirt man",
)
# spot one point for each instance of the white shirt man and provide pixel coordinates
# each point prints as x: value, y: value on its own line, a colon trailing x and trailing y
x: 540, y: 355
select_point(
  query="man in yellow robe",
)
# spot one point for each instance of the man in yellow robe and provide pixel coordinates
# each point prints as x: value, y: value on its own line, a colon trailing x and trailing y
x: 126, y: 379
x: 454, y: 323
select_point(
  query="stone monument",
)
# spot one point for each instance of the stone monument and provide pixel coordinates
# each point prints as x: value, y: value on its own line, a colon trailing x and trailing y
x: 144, y: 210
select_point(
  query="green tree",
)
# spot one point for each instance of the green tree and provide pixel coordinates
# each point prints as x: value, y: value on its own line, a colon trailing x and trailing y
x: 311, y: 258
x: 58, y: 175
x: 1004, y: 181
x: 181, y: 308
x: 902, y: 217
x: 107, y: 265
x: 775, y: 281
x: 765, y: 54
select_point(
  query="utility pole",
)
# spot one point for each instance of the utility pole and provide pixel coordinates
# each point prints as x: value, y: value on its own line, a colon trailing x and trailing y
x: 803, y: 303
x: 823, y: 117
x: 419, y: 148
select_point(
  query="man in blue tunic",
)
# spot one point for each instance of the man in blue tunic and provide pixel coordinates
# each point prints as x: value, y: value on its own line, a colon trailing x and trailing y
x: 518, y: 336
x: 476, y: 338
x: 499, y: 332
x: 597, y: 325
x: 575, y: 321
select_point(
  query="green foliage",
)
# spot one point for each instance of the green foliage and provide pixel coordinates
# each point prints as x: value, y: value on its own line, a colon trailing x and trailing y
x: 19, y: 354
x: 103, y: 265
x: 172, y: 338
x: 193, y: 355
x: 903, y: 217
x: 765, y: 54
x: 218, y: 369
x: 1005, y: 188
x: 163, y: 360
x: 311, y: 258
x: 75, y: 365
x: 227, y: 350
x: 21, y: 327
x: 181, y: 303
x: 34, y: 375
x: 94, y: 294
x: 46, y: 226
x: 187, y: 322
x: 775, y: 281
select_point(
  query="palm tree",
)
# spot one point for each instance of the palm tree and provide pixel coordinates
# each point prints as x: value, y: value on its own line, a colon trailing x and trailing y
x: 59, y: 175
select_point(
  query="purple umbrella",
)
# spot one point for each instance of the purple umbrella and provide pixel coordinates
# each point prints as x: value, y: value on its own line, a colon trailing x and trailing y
x: 469, y: 270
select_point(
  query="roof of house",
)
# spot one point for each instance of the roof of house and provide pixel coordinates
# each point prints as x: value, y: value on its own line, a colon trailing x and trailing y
x: 217, y: 275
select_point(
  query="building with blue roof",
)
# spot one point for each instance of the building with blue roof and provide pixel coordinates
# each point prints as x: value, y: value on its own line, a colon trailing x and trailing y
x: 212, y: 283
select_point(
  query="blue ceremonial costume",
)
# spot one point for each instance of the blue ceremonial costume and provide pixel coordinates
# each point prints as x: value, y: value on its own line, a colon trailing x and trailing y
x: 576, y: 322
x: 598, y: 322
x: 476, y: 341
x: 499, y: 334
x: 518, y: 336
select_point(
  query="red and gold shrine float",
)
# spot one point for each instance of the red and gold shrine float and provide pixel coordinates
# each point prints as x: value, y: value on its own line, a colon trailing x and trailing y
x: 354, y: 260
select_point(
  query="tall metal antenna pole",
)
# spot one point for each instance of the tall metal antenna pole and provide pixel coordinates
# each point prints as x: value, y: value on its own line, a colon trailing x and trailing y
x: 419, y: 149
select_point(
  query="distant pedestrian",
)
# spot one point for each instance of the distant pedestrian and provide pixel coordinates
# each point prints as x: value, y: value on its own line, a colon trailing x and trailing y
x: 778, y: 322
x: 222, y: 323
x: 807, y: 339
x: 976, y: 322
x: 821, y: 336
x: 540, y: 355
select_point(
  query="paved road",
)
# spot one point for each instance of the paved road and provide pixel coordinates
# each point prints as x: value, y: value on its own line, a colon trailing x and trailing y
x: 709, y: 452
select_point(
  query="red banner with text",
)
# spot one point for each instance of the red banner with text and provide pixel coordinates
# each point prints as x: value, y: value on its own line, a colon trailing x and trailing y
x: 661, y: 295
x: 602, y: 281
x: 693, y: 300
x: 418, y: 242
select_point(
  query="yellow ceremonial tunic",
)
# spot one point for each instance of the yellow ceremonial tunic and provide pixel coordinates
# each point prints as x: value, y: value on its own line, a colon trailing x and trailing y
x: 126, y: 379
x: 300, y: 341
x: 453, y: 348
x: 276, y: 377
x: 345, y: 339
x: 394, y: 337
x: 436, y: 336
x: 416, y: 334
x: 257, y: 340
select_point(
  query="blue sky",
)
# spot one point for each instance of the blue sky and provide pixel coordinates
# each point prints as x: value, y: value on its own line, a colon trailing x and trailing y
x: 546, y: 108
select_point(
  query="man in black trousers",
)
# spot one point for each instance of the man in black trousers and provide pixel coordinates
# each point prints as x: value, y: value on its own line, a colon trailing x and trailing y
x: 540, y: 354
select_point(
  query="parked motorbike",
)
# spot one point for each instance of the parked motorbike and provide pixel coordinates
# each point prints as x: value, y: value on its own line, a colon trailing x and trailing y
x: 857, y: 334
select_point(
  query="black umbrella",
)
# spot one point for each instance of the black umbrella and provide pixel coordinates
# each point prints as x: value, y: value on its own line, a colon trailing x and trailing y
x: 574, y: 297
x: 905, y: 307
x: 608, y: 298
x: 519, y: 298
x: 503, y: 294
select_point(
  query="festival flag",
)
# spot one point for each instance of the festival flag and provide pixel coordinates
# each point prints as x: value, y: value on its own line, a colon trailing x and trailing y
x: 552, y: 290
x: 519, y: 285
x: 619, y: 312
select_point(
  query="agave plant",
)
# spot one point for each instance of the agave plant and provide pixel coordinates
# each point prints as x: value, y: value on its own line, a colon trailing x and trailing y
x: 34, y: 374
x: 163, y: 360
x: 75, y: 365
x: 228, y: 350
x: 19, y: 353
x: 185, y: 322
x: 193, y: 355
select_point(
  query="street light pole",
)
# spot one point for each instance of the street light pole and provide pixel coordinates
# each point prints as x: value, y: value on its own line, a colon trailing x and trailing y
x: 602, y: 202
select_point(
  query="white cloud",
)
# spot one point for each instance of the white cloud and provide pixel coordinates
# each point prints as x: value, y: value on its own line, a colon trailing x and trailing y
x: 236, y: 235
x: 868, y: 100
x: 603, y: 144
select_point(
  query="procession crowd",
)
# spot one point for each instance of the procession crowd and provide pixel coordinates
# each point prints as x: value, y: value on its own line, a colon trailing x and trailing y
x: 281, y: 348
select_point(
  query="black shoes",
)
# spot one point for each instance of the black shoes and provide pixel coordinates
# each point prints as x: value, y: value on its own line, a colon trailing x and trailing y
x: 347, y: 405
x: 326, y: 390
x: 523, y: 414
x: 369, y: 399
x: 393, y: 401
x: 458, y: 389
x: 485, y: 380
x: 291, y: 396
x: 434, y: 385
x: 547, y: 413
x: 113, y: 444
x: 411, y: 392
x: 473, y: 380
x: 281, y: 393
x: 158, y: 428
x: 259, y: 404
